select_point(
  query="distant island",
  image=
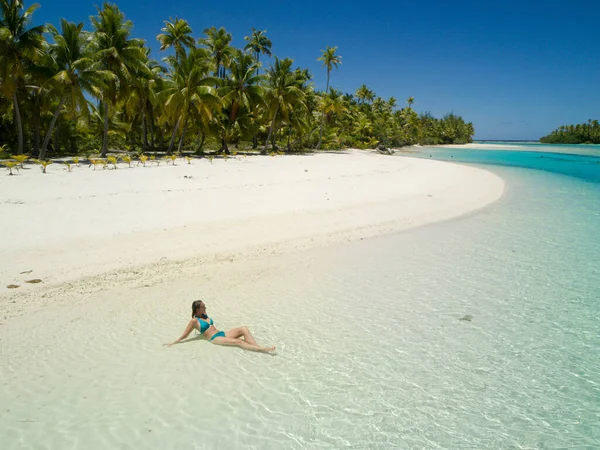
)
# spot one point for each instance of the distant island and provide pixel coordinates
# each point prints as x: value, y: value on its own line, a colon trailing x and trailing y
x: 584, y: 133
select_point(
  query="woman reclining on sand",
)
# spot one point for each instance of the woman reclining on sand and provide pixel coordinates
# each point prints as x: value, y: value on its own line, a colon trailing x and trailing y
x: 204, y: 324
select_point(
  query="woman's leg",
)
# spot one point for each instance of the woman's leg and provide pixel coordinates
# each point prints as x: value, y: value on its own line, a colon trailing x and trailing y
x: 241, y: 343
x: 239, y: 332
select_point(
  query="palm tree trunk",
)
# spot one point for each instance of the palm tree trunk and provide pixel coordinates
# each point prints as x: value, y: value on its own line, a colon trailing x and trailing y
x: 274, y: 137
x: 19, y: 123
x: 289, y: 148
x: 264, y: 150
x: 105, y: 131
x: 235, y: 108
x: 144, y: 131
x: 218, y: 69
x: 183, y: 135
x: 323, y: 115
x: 42, y: 154
x: 162, y: 138
x: 133, y: 141
x: 321, y: 132
x: 151, y: 126
x: 224, y: 146
x: 172, y: 143
x: 200, y: 140
x: 57, y: 136
x: 36, y: 133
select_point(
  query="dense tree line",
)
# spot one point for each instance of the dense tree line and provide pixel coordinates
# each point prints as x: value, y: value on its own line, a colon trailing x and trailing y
x: 68, y: 90
x: 584, y: 133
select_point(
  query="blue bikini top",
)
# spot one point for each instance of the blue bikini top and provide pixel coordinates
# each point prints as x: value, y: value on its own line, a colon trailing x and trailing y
x: 204, y: 325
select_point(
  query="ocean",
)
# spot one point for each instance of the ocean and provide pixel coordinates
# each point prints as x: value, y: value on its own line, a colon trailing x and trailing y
x: 481, y: 332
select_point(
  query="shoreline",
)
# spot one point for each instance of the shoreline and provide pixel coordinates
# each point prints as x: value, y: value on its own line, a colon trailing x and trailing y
x: 83, y: 231
x: 577, y: 149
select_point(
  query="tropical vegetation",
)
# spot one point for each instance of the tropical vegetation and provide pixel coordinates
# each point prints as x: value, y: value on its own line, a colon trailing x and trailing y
x: 74, y: 89
x: 584, y: 133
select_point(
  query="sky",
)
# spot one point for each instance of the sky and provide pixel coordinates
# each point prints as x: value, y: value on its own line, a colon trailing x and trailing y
x: 516, y: 69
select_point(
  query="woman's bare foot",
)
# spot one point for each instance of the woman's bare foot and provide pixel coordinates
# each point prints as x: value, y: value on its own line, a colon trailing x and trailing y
x: 268, y: 349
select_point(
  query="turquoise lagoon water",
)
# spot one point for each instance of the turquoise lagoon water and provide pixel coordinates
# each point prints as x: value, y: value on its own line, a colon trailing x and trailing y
x: 372, y: 351
x: 376, y: 355
x: 573, y: 160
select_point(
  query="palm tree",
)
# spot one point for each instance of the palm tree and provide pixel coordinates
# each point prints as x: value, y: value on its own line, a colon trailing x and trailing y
x: 36, y: 94
x: 379, y: 105
x: 284, y: 92
x: 217, y: 42
x: 142, y: 95
x: 74, y: 74
x: 258, y: 43
x: 330, y: 59
x: 20, y: 44
x: 117, y: 53
x: 242, y: 88
x: 188, y: 90
x: 363, y: 128
x: 392, y: 102
x: 333, y: 104
x: 176, y: 33
x: 363, y: 93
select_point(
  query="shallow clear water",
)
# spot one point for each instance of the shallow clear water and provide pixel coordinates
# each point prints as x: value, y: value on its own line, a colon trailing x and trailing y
x: 372, y: 349
x: 554, y: 159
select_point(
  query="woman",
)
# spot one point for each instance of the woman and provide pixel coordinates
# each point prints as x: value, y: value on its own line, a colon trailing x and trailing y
x: 204, y: 324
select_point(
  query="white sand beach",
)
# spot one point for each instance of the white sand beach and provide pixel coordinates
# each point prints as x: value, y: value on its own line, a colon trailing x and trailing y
x: 121, y: 254
x: 61, y: 226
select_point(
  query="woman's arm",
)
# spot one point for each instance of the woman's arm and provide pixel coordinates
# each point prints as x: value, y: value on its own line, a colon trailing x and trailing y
x: 185, y: 334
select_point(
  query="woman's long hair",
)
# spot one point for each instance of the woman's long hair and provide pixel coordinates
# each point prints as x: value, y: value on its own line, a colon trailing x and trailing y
x: 195, y: 305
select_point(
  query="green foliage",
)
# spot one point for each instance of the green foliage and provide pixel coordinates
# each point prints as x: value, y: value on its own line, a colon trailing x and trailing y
x: 10, y: 165
x: 21, y: 46
x: 20, y: 159
x: 258, y: 43
x: 127, y: 160
x: 96, y: 162
x: 43, y: 163
x: 112, y: 160
x: 91, y: 87
x: 585, y: 133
